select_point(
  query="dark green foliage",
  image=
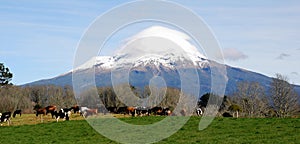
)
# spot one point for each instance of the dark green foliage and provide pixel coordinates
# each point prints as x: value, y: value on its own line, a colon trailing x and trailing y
x: 37, y: 106
x: 203, y: 100
x: 235, y: 107
x: 5, y: 75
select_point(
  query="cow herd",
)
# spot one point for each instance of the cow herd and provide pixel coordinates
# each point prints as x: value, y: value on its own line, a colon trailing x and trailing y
x: 65, y: 113
x: 139, y: 111
x: 6, y: 116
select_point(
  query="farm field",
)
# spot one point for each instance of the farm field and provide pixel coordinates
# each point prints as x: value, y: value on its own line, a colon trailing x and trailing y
x: 29, y: 129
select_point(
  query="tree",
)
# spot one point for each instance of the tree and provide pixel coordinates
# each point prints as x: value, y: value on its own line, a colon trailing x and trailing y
x: 225, y: 104
x: 284, y: 99
x: 250, y: 96
x: 204, y: 100
x: 14, y: 97
x: 215, y: 100
x: 5, y: 75
x: 235, y: 109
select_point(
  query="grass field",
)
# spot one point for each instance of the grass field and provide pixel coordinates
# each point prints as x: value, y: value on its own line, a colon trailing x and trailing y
x: 222, y: 130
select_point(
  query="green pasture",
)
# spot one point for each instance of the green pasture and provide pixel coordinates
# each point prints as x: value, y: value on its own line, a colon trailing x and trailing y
x: 221, y: 130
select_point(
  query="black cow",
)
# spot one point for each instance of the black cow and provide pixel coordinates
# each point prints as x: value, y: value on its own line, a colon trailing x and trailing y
x: 122, y: 110
x: 113, y: 109
x: 156, y: 110
x: 17, y: 112
x: 226, y: 114
x: 5, y: 117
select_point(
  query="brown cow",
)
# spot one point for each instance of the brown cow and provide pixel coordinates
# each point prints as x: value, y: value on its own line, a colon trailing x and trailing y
x: 41, y: 111
x: 183, y: 112
x: 161, y: 111
x: 88, y: 112
x: 92, y: 111
x: 50, y: 109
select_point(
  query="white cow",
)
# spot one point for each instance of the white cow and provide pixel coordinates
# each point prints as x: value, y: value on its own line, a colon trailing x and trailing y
x: 83, y: 111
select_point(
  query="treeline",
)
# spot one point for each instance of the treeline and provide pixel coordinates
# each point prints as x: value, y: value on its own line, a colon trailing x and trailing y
x: 29, y: 97
x: 252, y: 100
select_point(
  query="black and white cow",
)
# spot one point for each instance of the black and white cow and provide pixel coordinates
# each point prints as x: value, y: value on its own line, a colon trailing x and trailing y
x: 199, y: 111
x: 142, y: 111
x: 5, y: 117
x: 62, y: 114
x: 67, y: 109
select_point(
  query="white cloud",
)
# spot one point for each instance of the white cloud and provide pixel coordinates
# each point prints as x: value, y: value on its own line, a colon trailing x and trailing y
x: 233, y: 54
x: 160, y: 41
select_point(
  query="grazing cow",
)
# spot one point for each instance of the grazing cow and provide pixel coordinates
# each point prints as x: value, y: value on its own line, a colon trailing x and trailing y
x: 41, y: 111
x: 76, y: 108
x: 157, y: 110
x: 141, y: 111
x: 17, y: 112
x: 226, y: 114
x: 83, y: 110
x: 199, y: 111
x: 62, y: 114
x: 67, y: 109
x: 183, y: 112
x: 131, y: 110
x: 161, y: 111
x: 50, y: 109
x: 122, y: 110
x: 90, y: 112
x: 112, y: 109
x: 5, y: 117
x: 166, y: 111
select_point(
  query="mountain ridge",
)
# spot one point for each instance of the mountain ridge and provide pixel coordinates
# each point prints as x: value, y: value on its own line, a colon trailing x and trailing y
x: 138, y: 75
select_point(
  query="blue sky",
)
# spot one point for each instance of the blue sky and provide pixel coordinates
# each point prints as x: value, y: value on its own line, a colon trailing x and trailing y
x: 39, y: 38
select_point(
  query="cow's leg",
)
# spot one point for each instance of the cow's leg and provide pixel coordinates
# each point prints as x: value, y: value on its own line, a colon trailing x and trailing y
x: 8, y: 121
x: 52, y: 114
x: 57, y: 118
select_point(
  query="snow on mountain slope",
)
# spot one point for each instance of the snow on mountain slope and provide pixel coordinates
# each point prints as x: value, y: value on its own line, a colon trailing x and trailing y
x: 153, y: 46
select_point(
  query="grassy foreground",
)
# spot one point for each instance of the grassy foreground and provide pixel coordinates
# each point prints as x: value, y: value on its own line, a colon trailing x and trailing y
x: 222, y: 130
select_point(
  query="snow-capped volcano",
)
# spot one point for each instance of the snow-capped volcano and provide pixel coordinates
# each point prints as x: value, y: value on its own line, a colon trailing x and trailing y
x: 156, y: 51
x: 156, y: 46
